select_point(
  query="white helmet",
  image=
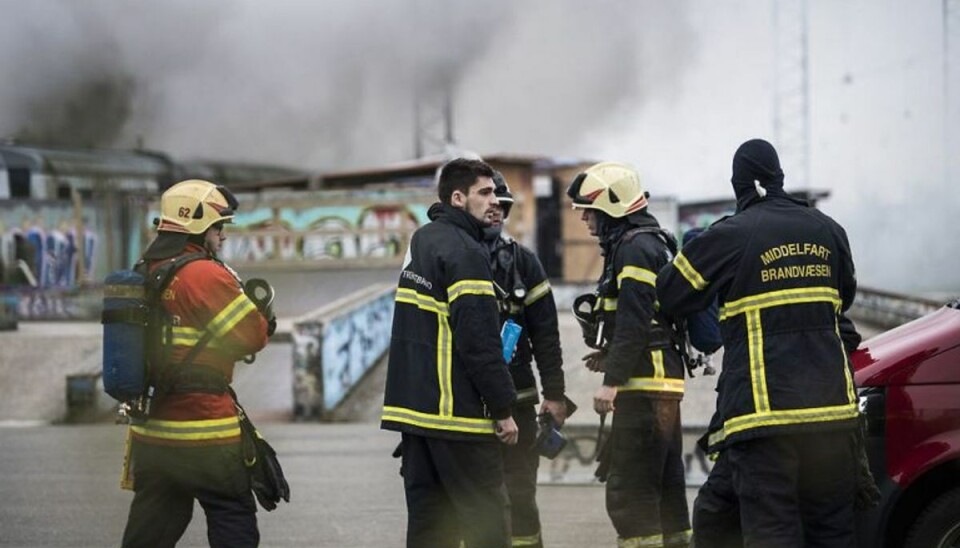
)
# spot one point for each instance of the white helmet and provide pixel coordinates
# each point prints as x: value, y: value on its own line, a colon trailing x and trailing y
x: 610, y: 187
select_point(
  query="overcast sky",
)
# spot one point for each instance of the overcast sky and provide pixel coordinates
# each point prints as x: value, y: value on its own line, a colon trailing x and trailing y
x: 672, y: 87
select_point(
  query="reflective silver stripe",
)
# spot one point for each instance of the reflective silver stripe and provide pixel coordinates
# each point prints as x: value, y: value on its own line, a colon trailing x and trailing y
x: 527, y: 393
x: 609, y: 304
x: 436, y: 422
x: 652, y: 541
x: 780, y: 298
x: 537, y: 292
x: 641, y: 275
x: 687, y: 271
x: 424, y: 302
x: 231, y: 315
x: 649, y: 384
x: 470, y: 287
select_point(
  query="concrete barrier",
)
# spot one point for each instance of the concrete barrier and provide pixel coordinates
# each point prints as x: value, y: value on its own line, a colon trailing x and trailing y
x: 335, y: 346
x: 887, y: 309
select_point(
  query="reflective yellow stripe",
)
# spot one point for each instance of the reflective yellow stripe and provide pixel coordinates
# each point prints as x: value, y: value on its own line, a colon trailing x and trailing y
x: 444, y: 367
x: 758, y: 372
x: 231, y: 315
x: 539, y: 291
x: 680, y: 537
x: 780, y: 298
x: 657, y: 357
x: 470, y: 287
x: 436, y: 422
x: 650, y: 384
x: 609, y: 305
x: 189, y: 336
x: 784, y: 417
x: 851, y: 391
x: 652, y: 541
x: 189, y: 430
x: 123, y: 292
x: 690, y: 273
x: 424, y: 302
x: 529, y: 540
x: 642, y: 275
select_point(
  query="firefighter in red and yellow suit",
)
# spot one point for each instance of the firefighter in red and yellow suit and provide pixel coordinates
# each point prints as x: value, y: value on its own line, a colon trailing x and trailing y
x: 189, y: 446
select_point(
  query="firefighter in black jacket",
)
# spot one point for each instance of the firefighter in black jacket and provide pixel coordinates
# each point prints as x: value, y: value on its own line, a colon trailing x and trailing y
x: 448, y: 390
x: 786, y: 401
x: 638, y: 352
x: 525, y: 296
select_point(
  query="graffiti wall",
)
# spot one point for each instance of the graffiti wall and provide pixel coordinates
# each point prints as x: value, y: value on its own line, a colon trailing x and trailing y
x: 332, y: 354
x: 39, y: 245
x: 317, y: 227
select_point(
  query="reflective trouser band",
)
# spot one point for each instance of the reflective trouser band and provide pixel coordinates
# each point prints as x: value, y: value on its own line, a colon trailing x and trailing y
x: 529, y: 540
x: 437, y: 422
x: 527, y: 394
x: 782, y: 418
x: 681, y: 537
x: 650, y: 384
x: 212, y: 429
x: 652, y: 541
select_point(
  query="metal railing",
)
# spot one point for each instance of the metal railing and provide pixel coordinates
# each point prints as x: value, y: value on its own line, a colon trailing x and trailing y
x: 887, y: 309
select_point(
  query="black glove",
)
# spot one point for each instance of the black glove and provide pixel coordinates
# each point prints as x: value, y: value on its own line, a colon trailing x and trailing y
x: 271, y: 326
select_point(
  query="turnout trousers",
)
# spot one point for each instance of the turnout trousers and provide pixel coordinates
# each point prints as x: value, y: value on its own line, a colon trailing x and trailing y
x: 168, y: 479
x: 520, y: 464
x: 795, y: 490
x: 646, y: 488
x: 454, y: 490
x: 716, y: 512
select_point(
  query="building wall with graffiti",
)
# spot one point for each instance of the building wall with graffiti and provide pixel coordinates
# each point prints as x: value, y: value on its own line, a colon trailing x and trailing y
x: 332, y: 353
x: 43, y: 260
x: 326, y: 228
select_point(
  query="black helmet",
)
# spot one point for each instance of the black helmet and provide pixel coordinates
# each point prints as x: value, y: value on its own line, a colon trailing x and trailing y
x: 502, y: 191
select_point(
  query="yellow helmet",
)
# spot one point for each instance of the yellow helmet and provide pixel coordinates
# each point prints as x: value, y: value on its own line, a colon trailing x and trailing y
x: 193, y: 206
x: 612, y: 188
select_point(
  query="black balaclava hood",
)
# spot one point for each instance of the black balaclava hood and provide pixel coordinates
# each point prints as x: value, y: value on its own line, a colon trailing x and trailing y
x: 755, y: 163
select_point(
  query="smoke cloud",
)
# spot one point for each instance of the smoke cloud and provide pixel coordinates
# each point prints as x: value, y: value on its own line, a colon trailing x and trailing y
x: 330, y: 84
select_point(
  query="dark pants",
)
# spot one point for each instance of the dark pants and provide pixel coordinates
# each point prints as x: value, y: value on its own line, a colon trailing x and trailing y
x: 795, y: 490
x: 646, y: 488
x: 454, y: 490
x: 716, y: 512
x: 168, y: 479
x: 520, y: 463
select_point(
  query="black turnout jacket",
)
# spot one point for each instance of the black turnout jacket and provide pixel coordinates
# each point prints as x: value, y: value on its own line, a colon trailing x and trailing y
x: 446, y: 376
x: 534, y: 309
x: 640, y: 355
x: 784, y: 276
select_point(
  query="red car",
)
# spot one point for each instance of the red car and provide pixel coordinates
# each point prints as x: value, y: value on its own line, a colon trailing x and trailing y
x: 909, y: 385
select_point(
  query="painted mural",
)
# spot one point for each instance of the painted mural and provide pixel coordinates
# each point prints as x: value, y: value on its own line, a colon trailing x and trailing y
x: 322, y: 226
x: 41, y: 257
x: 333, y: 354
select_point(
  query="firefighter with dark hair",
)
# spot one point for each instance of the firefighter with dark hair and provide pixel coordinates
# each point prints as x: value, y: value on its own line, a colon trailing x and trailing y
x: 448, y: 391
x: 189, y: 447
x: 525, y: 297
x: 638, y: 350
x: 786, y: 402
